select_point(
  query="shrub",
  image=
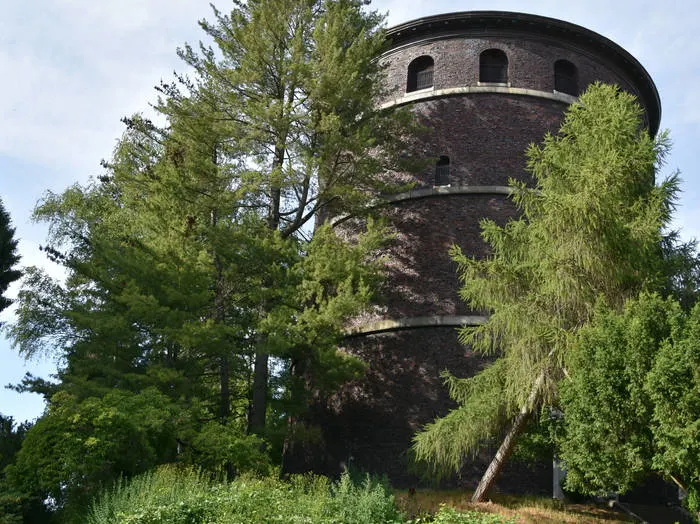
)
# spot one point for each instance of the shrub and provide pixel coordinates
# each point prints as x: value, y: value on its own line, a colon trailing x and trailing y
x: 448, y: 515
x: 183, y: 496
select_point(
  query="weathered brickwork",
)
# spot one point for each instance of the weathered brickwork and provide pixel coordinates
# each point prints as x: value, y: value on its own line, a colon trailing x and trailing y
x: 421, y: 278
x: 485, y: 135
x: 371, y: 422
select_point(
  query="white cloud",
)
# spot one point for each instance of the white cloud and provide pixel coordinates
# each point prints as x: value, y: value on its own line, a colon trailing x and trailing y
x: 73, y: 68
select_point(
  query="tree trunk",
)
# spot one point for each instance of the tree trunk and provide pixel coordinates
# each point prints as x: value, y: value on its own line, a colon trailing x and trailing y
x: 258, y: 407
x: 225, y: 390
x: 506, y: 447
x: 499, y: 459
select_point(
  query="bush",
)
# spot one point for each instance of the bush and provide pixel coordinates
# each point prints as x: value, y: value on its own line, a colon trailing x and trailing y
x: 167, y: 494
x: 448, y: 515
x: 181, y: 496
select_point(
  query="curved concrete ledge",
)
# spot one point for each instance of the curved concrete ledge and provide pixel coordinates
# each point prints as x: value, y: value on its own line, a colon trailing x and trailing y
x: 419, y: 96
x: 383, y: 326
x: 428, y: 192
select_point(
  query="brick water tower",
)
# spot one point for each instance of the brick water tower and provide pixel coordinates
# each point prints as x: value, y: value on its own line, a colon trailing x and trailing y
x: 485, y: 84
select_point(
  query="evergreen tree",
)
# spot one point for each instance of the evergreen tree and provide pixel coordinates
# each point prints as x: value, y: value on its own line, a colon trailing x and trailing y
x: 189, y: 261
x: 8, y: 257
x: 590, y: 233
x: 295, y: 83
x: 606, y: 442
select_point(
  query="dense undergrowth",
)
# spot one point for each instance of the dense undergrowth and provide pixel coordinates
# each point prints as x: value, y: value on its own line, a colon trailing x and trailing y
x: 176, y: 496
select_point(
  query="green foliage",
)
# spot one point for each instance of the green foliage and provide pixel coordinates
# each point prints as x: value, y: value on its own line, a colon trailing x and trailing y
x: 16, y: 507
x: 682, y: 270
x: 11, y: 437
x: 631, y: 399
x: 449, y: 515
x: 607, y: 443
x: 478, y: 417
x: 166, y: 494
x: 172, y: 495
x: 295, y: 83
x: 356, y: 504
x: 81, y: 444
x: 673, y: 386
x: 8, y: 256
x: 216, y: 447
x: 192, y: 256
x: 589, y: 234
x: 537, y: 441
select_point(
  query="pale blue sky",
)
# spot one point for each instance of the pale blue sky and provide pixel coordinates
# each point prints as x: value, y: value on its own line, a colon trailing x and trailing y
x: 72, y: 68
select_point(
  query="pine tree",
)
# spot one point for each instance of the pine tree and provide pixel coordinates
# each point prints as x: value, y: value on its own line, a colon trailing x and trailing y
x: 8, y: 257
x: 295, y: 83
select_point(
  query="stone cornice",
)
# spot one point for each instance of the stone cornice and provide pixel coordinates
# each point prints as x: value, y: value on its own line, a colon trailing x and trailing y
x: 436, y: 191
x: 384, y: 326
x: 429, y: 192
x: 429, y: 94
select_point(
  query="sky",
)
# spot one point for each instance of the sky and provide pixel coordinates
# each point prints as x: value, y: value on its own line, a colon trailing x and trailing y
x: 71, y: 69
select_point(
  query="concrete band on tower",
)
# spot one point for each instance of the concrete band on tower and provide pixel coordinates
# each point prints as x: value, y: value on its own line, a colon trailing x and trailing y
x: 485, y: 85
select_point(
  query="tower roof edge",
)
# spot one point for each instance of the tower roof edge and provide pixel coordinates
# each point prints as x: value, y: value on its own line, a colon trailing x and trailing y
x: 492, y: 22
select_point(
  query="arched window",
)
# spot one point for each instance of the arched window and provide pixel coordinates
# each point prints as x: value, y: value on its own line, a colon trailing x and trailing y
x: 442, y: 171
x: 565, y: 77
x: 420, y: 74
x: 493, y: 66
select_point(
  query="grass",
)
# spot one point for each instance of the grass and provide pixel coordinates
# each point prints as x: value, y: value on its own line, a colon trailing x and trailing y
x: 522, y: 510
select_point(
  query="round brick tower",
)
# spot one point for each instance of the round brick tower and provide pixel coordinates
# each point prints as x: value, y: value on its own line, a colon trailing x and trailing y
x: 485, y: 85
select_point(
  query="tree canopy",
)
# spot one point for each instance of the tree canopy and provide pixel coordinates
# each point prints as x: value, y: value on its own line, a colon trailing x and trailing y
x: 201, y: 253
x: 631, y: 399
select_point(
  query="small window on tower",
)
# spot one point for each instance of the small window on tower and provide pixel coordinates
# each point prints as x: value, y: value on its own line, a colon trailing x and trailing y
x: 565, y: 77
x: 420, y: 74
x: 442, y: 171
x: 493, y: 66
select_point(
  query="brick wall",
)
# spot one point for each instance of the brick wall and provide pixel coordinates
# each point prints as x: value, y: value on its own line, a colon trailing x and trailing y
x: 530, y: 63
x: 370, y: 423
x: 485, y: 136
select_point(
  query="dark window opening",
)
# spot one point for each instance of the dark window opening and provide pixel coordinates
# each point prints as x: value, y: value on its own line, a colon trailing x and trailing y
x: 493, y: 66
x: 420, y: 74
x: 442, y: 171
x: 565, y: 77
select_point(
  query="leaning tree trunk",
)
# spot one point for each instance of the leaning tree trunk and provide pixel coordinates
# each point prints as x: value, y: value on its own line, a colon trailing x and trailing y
x: 504, y: 451
x: 506, y: 447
